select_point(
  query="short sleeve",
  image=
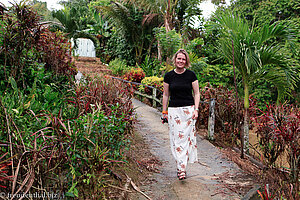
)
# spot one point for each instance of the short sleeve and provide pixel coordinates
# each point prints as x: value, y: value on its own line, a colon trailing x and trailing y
x: 167, y: 78
x: 193, y: 76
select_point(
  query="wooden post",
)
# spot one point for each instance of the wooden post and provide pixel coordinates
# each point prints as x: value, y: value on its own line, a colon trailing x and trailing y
x: 211, y: 119
x: 154, y: 97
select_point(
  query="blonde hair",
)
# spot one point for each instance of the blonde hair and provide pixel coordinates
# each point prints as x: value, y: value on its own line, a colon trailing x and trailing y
x: 188, y: 62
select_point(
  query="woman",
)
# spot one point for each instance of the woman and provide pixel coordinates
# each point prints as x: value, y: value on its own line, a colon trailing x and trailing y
x: 181, y: 96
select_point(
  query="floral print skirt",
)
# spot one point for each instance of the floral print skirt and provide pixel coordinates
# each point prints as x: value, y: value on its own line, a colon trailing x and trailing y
x: 182, y: 135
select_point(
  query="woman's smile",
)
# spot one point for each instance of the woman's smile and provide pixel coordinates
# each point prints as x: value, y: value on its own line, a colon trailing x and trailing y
x: 180, y: 61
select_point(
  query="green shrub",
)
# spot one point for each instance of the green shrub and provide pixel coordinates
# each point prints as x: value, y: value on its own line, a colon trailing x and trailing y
x: 170, y: 42
x: 118, y: 67
x: 194, y: 46
x: 118, y: 47
x: 83, y: 129
x: 151, y: 67
x: 215, y: 75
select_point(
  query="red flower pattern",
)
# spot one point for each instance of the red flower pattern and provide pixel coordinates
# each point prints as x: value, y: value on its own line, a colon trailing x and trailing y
x: 187, y: 112
x: 181, y: 123
x: 180, y: 135
x: 178, y: 149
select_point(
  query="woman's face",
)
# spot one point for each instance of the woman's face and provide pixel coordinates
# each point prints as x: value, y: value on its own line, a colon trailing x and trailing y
x: 180, y: 60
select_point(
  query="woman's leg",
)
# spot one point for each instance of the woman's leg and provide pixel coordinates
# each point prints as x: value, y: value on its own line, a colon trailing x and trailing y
x: 182, y: 136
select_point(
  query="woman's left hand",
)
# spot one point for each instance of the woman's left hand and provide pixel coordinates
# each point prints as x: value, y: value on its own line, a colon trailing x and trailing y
x: 195, y: 115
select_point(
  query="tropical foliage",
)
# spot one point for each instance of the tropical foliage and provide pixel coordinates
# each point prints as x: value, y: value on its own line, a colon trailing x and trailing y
x: 256, y: 56
x: 245, y: 55
x: 129, y: 28
x: 55, y: 135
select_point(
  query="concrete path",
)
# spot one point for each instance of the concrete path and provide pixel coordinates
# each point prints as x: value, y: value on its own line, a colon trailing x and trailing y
x: 201, y: 182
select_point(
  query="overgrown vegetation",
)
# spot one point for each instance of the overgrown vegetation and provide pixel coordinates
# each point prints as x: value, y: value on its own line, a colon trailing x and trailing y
x: 56, y: 136
x: 246, y: 56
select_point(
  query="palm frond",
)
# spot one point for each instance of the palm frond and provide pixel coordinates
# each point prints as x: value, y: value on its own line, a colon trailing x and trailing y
x: 119, y: 16
x: 154, y: 6
x: 276, y: 30
x: 282, y: 78
x: 256, y: 49
x: 66, y: 19
x: 149, y: 18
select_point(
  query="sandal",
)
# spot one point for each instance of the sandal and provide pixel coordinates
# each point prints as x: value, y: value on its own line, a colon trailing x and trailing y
x: 181, y: 175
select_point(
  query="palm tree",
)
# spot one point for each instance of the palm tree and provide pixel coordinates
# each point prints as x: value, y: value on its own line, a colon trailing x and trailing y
x: 73, y: 24
x: 67, y: 17
x: 165, y: 8
x: 129, y: 22
x: 173, y: 11
x: 257, y: 55
x: 188, y: 18
x: 170, y: 10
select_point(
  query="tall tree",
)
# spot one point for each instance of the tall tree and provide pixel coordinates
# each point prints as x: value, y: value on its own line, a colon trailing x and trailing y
x: 129, y: 21
x: 166, y: 8
x: 188, y: 15
x: 41, y: 9
x: 74, y: 20
x: 260, y: 12
x: 266, y: 11
x: 171, y: 12
x: 257, y: 55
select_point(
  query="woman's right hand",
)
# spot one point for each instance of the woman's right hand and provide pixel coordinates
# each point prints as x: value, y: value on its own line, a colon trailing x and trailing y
x: 164, y: 118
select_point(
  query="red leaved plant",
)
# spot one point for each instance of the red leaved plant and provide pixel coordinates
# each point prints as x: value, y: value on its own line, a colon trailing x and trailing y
x: 105, y: 92
x: 279, y: 131
x: 55, y: 51
x: 4, y: 171
x: 228, y: 113
x: 265, y: 195
x: 134, y: 75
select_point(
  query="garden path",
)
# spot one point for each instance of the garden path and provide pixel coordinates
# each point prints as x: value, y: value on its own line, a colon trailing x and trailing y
x: 213, y: 178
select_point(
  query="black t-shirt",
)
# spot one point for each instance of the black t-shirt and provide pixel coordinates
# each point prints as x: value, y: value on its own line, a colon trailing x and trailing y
x: 180, y: 88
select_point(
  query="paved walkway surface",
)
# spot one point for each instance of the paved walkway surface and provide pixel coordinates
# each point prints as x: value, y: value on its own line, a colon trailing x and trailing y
x: 202, y: 178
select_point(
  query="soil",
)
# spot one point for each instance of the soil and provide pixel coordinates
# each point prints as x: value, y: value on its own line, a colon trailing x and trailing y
x: 151, y: 169
x: 91, y: 66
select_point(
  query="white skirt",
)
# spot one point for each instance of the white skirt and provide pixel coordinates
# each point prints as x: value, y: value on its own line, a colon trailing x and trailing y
x: 182, y: 135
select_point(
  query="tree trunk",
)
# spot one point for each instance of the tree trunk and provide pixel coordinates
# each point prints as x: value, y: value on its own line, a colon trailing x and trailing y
x: 167, y: 24
x: 237, y: 103
x: 168, y: 18
x: 246, y: 119
x: 159, y: 57
x: 246, y: 132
